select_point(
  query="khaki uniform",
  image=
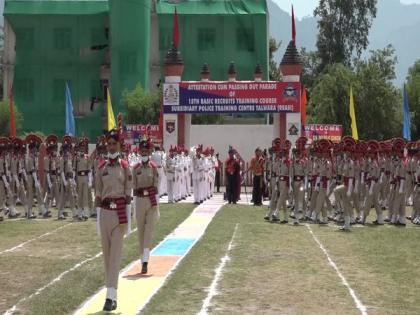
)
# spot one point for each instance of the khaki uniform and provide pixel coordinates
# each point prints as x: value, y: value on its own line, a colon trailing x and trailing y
x: 324, y: 179
x: 67, y: 187
x: 145, y: 186
x: 112, y: 181
x: 416, y: 195
x: 342, y: 192
x: 359, y: 182
x: 299, y: 181
x: 4, y: 184
x: 283, y: 185
x: 398, y: 203
x: 33, y: 186
x: 372, y: 193
x: 274, y: 190
x: 52, y: 173
x: 313, y: 173
x: 83, y: 182
x: 17, y: 183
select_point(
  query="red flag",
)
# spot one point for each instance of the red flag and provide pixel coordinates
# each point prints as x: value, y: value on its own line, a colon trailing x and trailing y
x: 176, y: 30
x: 304, y: 102
x: 293, y: 25
x: 12, y: 115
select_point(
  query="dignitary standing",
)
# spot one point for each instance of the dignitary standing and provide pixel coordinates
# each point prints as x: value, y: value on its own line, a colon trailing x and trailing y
x: 257, y: 170
x: 232, y: 170
x: 113, y: 193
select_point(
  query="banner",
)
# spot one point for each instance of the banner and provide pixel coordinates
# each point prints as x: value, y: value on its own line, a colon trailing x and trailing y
x: 328, y: 132
x: 231, y: 97
x: 134, y: 133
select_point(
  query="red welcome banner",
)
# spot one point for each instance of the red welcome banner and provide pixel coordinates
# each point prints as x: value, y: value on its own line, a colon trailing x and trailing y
x: 134, y: 133
x: 318, y: 132
x: 232, y: 97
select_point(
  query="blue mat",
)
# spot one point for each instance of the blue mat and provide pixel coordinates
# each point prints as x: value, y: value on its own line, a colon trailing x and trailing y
x: 173, y: 247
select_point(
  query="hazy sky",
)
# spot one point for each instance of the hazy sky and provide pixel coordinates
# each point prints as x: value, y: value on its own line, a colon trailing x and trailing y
x: 306, y: 7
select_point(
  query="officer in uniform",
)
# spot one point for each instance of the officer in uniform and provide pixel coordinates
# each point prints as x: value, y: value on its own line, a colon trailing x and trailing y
x: 68, y: 184
x: 84, y: 178
x: 145, y: 187
x: 416, y: 195
x: 52, y: 173
x: 113, y: 194
x: 397, y: 208
x: 5, y: 159
x: 298, y: 172
x: 344, y: 192
x: 324, y: 178
x: 17, y: 166
x: 5, y: 190
x: 372, y: 182
x: 170, y: 174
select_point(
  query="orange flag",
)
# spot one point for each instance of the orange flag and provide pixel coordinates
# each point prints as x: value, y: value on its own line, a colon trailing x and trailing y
x: 12, y: 115
x: 304, y: 102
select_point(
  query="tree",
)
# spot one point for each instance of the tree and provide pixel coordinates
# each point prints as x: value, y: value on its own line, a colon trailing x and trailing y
x: 274, y: 71
x: 343, y: 29
x: 311, y: 62
x: 143, y: 107
x: 5, y: 118
x: 413, y: 87
x: 377, y: 101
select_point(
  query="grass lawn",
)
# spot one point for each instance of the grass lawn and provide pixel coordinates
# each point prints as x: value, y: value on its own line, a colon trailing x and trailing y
x: 277, y: 269
x: 27, y: 269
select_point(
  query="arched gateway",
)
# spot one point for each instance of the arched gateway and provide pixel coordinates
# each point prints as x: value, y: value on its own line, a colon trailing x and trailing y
x: 181, y: 99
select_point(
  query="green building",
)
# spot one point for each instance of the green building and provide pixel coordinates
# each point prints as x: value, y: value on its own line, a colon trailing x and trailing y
x: 93, y: 44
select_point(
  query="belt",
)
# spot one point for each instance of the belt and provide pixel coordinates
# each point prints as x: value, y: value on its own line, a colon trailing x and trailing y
x: 297, y: 178
x: 83, y: 173
x: 53, y: 172
x: 118, y: 205
x: 284, y: 178
x: 148, y: 192
x: 387, y: 172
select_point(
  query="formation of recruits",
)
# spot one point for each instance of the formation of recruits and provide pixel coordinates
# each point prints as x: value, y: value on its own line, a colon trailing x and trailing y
x: 342, y: 182
x: 69, y: 175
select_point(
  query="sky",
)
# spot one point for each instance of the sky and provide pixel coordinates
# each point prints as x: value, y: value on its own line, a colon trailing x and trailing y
x: 306, y: 7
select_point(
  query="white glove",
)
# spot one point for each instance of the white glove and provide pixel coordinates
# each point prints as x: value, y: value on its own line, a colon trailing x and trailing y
x: 371, y: 189
x: 401, y: 190
x: 90, y: 180
x: 49, y: 181
x: 350, y: 188
x: 363, y: 178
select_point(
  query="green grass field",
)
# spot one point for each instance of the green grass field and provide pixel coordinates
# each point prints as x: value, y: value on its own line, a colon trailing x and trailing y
x: 36, y: 264
x: 273, y: 268
x: 277, y: 269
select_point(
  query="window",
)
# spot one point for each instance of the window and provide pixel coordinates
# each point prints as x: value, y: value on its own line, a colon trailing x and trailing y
x: 25, y: 89
x: 59, y: 91
x: 25, y: 38
x: 206, y: 39
x: 245, y: 39
x: 128, y: 63
x: 62, y: 38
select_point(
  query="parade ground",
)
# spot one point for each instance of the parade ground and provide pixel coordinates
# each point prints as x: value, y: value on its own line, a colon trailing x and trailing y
x: 240, y: 265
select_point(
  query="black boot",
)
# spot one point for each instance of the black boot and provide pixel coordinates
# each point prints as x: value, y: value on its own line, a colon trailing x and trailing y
x: 144, y: 268
x: 110, y: 305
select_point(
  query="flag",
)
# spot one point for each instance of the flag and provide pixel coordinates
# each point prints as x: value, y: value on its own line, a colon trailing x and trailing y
x: 12, y: 115
x: 293, y: 25
x: 304, y: 102
x: 176, y: 30
x: 407, y: 118
x: 354, y: 132
x: 111, y: 117
x: 70, y: 124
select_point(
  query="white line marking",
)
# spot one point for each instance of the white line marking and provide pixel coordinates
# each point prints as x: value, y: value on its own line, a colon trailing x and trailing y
x: 14, y: 308
x: 32, y: 240
x: 359, y: 304
x: 218, y: 275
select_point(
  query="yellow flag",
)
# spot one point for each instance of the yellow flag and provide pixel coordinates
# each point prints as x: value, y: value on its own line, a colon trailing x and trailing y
x: 354, y: 132
x: 111, y: 118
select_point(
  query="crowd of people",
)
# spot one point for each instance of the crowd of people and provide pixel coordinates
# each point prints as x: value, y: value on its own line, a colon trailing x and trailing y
x: 340, y: 182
